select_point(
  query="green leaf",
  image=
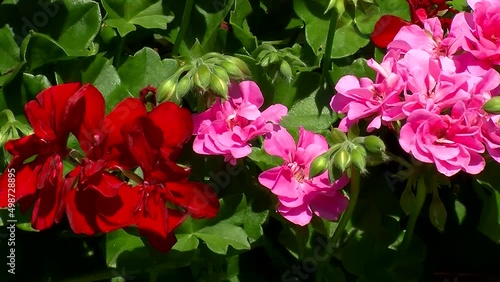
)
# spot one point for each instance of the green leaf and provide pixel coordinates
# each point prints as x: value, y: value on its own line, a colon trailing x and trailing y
x: 32, y: 85
x: 489, y: 193
x: 358, y: 68
x: 222, y: 235
x: 120, y: 241
x: 78, y: 23
x: 313, y: 113
x: 348, y: 39
x: 461, y: 211
x: 145, y: 68
x: 263, y: 159
x: 41, y: 49
x: 124, y: 15
x: 102, y: 74
x: 186, y: 243
x: 9, y: 51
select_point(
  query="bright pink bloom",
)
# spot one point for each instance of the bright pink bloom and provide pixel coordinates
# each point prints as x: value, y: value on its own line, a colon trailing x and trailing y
x: 444, y: 140
x: 364, y: 98
x: 300, y: 196
x: 428, y: 86
x: 478, y: 32
x: 227, y: 127
x: 428, y: 39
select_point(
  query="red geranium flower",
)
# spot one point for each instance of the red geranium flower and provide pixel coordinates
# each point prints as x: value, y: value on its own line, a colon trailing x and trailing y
x: 92, y: 205
x: 154, y: 142
x: 388, y: 26
x: 53, y: 115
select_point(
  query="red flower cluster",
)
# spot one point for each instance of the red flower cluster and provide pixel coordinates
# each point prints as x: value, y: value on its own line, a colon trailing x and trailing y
x: 388, y: 26
x: 94, y: 194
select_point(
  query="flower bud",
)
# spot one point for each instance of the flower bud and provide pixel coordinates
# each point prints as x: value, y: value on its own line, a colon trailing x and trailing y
x: 184, y: 86
x: 492, y: 106
x: 262, y: 54
x: 166, y: 90
x: 374, y: 144
x: 274, y: 58
x: 218, y: 87
x: 202, y: 77
x: 232, y: 70
x: 338, y: 136
x: 221, y: 73
x: 265, y: 61
x: 286, y: 70
x: 319, y: 164
x: 358, y: 158
x: 342, y: 159
x: 407, y: 200
x: 437, y: 213
x: 242, y: 66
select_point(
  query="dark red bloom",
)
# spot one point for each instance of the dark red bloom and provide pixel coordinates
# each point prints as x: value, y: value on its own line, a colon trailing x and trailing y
x: 388, y: 26
x: 154, y: 142
x: 53, y: 115
x: 105, y: 150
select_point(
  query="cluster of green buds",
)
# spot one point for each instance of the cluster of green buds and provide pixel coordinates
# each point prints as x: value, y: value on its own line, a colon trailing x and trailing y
x: 277, y: 61
x: 347, y: 151
x: 211, y: 73
x: 11, y: 129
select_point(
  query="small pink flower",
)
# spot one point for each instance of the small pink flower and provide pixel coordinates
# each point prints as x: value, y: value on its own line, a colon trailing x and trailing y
x: 362, y: 98
x: 446, y: 141
x: 227, y: 127
x: 428, y: 39
x: 300, y: 196
x: 428, y: 86
x: 477, y: 32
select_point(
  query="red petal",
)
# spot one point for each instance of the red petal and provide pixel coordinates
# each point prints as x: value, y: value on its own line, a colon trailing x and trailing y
x: 119, y: 211
x: 142, y: 140
x: 386, y: 29
x: 162, y: 244
x: 106, y: 184
x: 48, y: 113
x: 81, y: 211
x: 124, y: 113
x: 49, y: 184
x: 25, y: 147
x: 176, y: 124
x: 152, y: 218
x: 88, y: 105
x: 200, y: 200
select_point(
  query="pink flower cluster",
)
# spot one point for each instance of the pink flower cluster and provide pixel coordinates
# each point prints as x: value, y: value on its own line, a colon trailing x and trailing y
x: 227, y: 128
x: 435, y: 84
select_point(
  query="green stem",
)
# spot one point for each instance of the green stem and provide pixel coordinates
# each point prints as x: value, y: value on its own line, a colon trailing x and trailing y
x: 399, y: 160
x: 419, y: 202
x: 119, y: 51
x: 186, y: 17
x: 8, y: 113
x: 354, y: 193
x: 327, y: 57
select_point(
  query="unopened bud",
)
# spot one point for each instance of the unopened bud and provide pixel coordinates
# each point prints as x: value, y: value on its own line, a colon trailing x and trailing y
x: 338, y: 136
x: 166, y: 90
x: 342, y: 159
x: 218, y: 87
x: 319, y: 165
x: 286, y: 70
x: 202, y: 77
x: 242, y: 66
x: 265, y: 61
x: 374, y: 144
x: 232, y: 70
x: 184, y: 86
x: 359, y: 159
x: 274, y: 58
x: 221, y: 73
x: 437, y: 213
x: 492, y: 106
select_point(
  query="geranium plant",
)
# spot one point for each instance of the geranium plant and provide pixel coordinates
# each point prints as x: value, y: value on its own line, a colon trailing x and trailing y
x: 238, y: 140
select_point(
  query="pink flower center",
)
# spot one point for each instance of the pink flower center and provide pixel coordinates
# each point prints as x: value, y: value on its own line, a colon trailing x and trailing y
x: 231, y: 123
x: 298, y: 171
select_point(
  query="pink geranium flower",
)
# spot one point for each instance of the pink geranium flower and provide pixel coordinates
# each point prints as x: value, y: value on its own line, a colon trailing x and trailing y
x: 300, y: 196
x: 227, y: 127
x: 363, y: 98
x: 477, y: 32
x: 447, y: 141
